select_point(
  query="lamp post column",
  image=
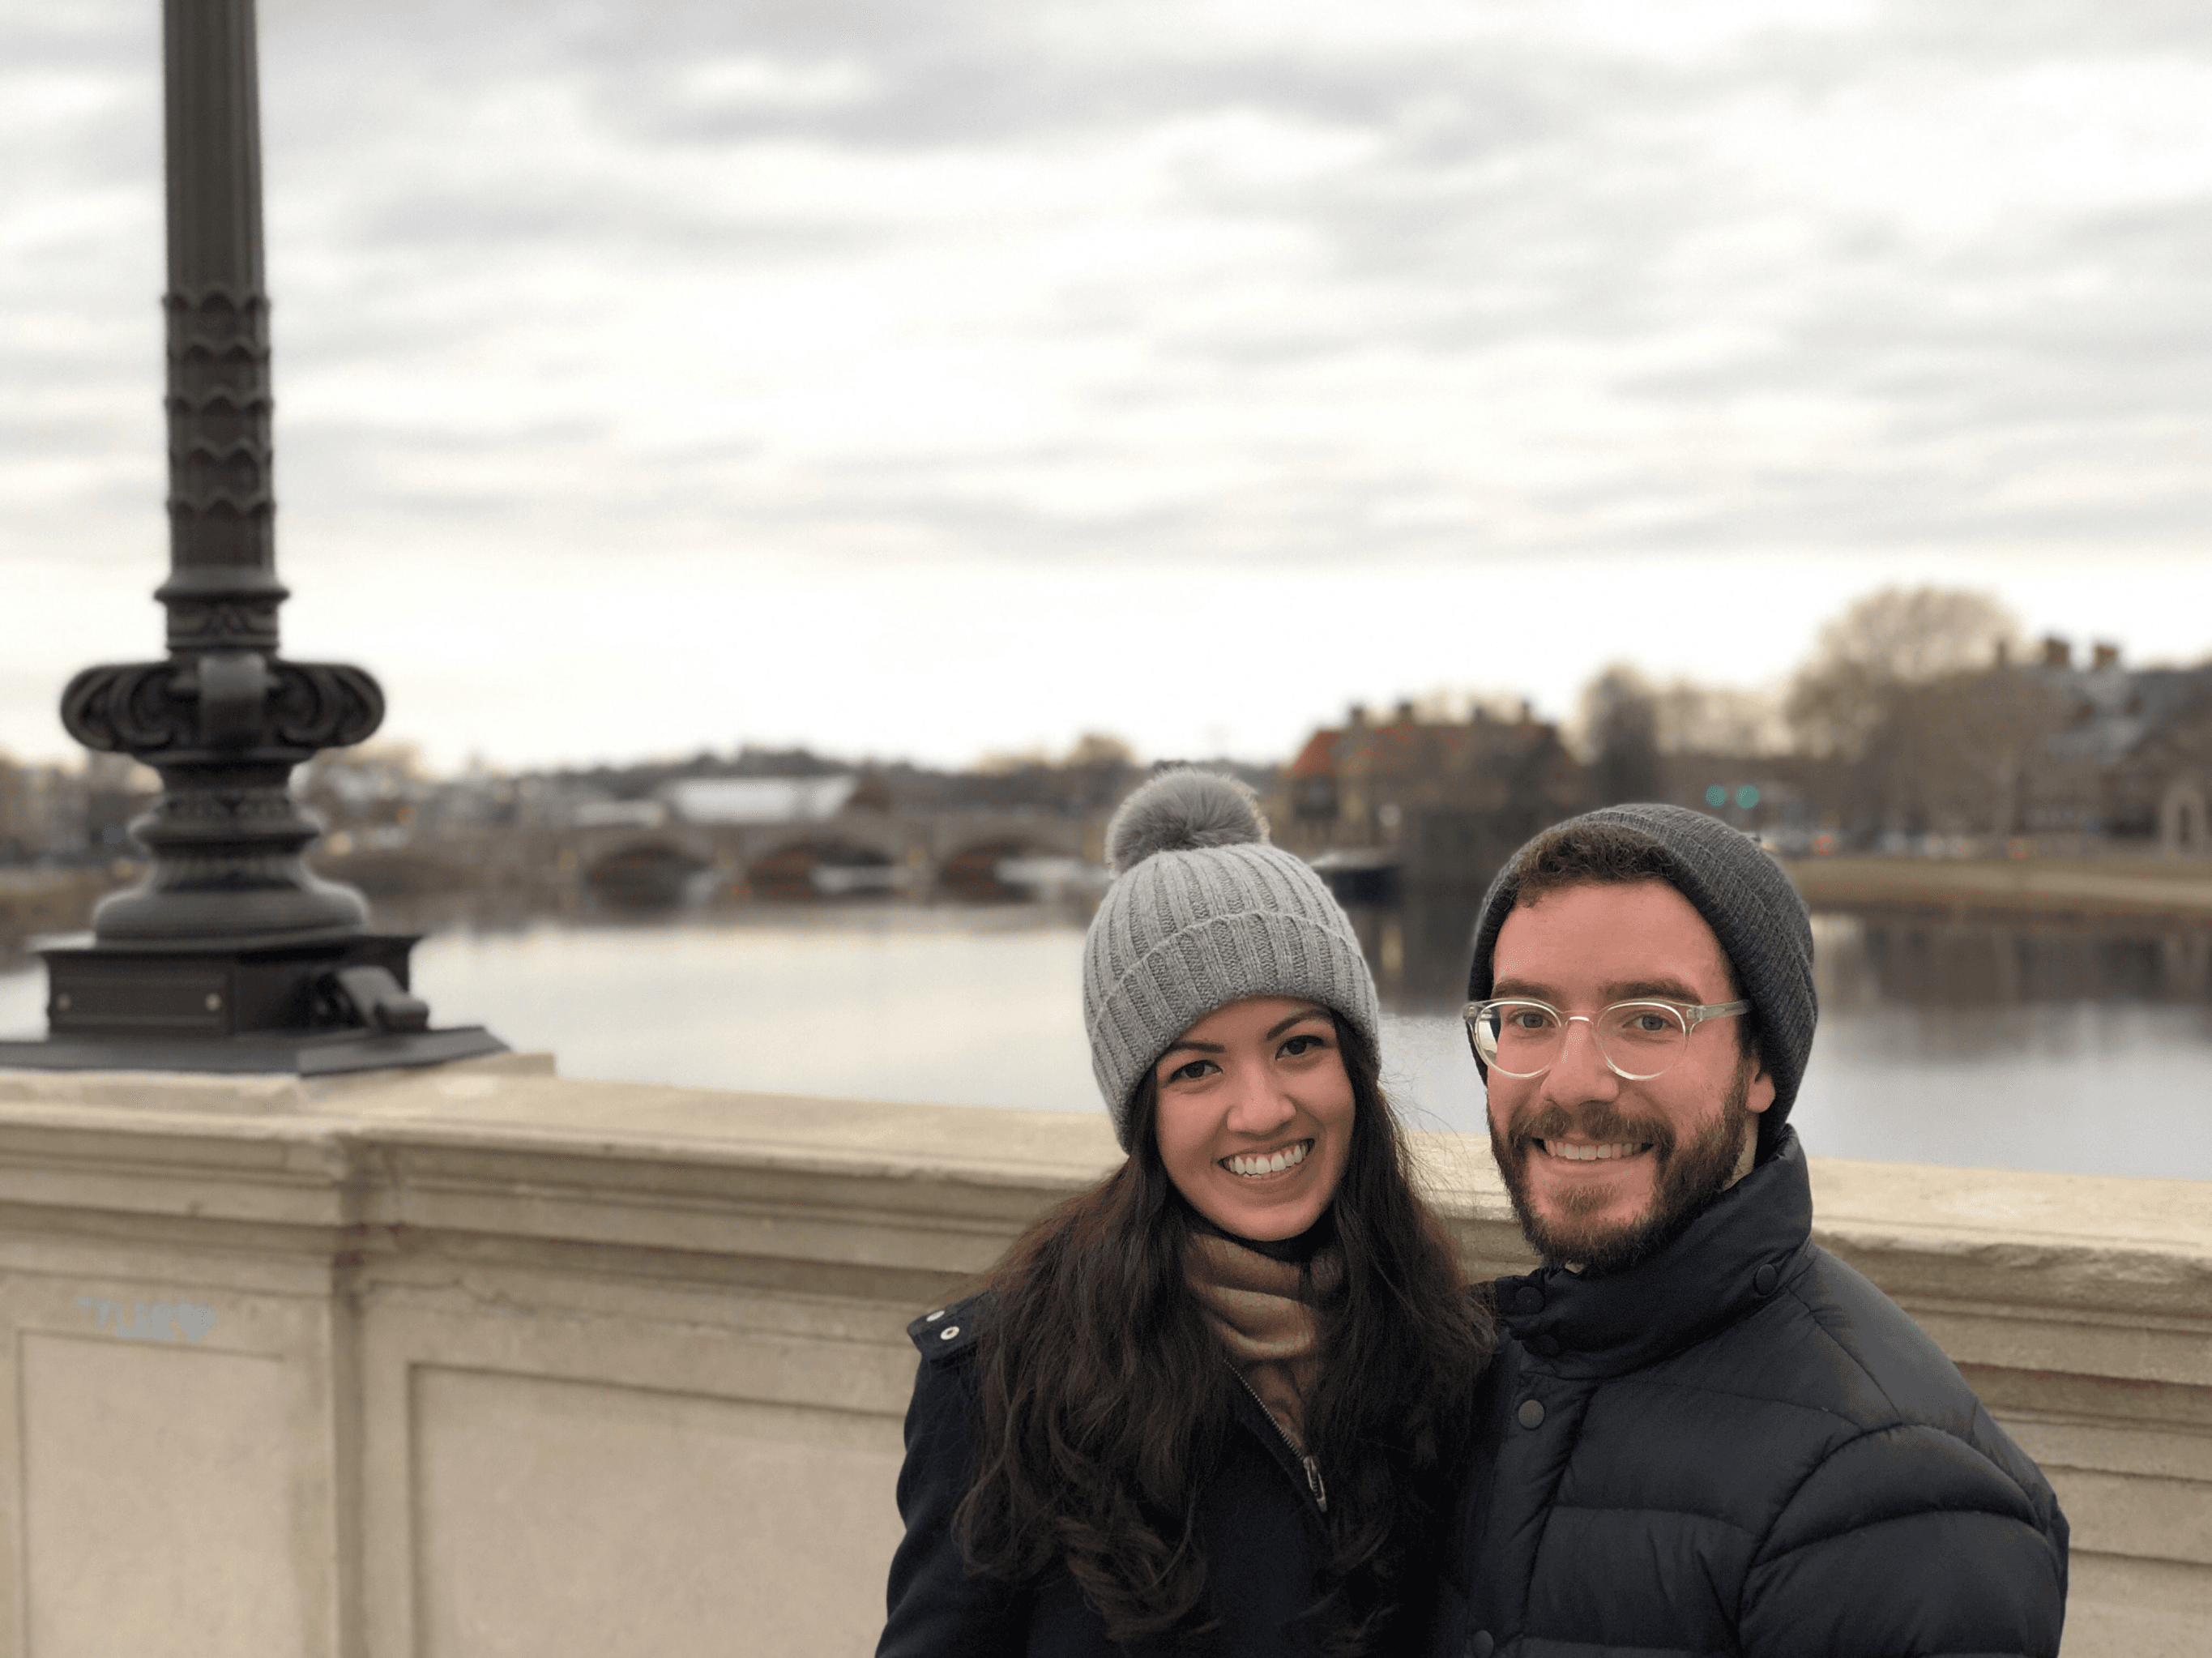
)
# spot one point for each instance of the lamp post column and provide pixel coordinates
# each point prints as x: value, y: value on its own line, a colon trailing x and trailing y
x: 231, y: 953
x: 224, y: 719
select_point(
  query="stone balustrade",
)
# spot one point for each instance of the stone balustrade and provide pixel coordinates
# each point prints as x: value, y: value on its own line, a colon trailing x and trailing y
x: 476, y: 1361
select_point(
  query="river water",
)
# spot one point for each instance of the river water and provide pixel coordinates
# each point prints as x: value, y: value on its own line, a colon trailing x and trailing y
x: 2054, y: 1048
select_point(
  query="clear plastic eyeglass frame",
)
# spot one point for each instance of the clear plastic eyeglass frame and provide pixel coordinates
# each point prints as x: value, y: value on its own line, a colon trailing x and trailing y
x: 1664, y: 1039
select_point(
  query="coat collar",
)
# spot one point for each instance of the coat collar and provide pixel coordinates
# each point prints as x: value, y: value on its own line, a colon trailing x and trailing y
x: 1755, y: 1238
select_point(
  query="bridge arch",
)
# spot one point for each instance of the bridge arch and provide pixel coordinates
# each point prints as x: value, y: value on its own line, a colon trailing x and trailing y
x: 646, y: 873
x: 829, y: 864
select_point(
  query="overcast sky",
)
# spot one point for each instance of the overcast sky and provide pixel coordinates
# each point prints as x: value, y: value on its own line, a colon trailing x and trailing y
x: 940, y: 378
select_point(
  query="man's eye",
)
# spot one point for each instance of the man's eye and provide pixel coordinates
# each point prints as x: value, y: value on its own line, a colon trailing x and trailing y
x: 1527, y: 1018
x: 1649, y: 1023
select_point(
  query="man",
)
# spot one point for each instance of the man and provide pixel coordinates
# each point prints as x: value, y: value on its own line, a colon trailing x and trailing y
x: 1703, y: 1433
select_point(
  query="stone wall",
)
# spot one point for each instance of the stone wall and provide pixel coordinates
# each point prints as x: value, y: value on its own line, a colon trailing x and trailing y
x: 476, y: 1360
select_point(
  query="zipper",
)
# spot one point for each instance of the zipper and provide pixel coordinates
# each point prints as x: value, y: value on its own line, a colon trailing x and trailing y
x: 1313, y: 1468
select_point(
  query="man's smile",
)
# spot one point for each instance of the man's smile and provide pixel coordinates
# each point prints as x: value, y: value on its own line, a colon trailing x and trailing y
x: 1570, y: 1152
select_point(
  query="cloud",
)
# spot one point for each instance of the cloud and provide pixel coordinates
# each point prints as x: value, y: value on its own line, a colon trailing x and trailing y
x: 1068, y: 287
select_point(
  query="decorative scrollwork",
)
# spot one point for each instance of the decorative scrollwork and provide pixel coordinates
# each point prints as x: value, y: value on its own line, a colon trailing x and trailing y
x: 216, y: 318
x: 151, y: 710
x: 325, y: 705
x: 221, y: 503
x: 227, y: 808
x: 232, y: 624
x: 129, y: 708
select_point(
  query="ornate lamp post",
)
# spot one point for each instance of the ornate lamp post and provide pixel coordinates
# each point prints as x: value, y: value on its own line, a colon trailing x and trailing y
x: 231, y: 954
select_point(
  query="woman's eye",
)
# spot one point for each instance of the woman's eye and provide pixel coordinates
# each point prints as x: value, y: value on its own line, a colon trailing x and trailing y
x: 1303, y: 1044
x: 1192, y: 1071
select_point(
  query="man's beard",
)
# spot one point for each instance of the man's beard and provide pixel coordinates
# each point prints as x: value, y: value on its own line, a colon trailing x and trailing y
x: 1690, y: 1176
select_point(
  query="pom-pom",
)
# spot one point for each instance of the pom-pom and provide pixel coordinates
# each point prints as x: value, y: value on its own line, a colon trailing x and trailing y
x: 1182, y: 811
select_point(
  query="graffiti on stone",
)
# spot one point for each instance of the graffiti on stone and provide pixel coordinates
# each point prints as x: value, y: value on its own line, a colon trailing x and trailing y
x: 158, y: 1320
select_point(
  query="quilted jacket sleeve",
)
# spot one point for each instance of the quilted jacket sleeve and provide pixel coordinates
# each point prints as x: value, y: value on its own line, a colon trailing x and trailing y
x: 937, y: 1609
x: 1908, y: 1541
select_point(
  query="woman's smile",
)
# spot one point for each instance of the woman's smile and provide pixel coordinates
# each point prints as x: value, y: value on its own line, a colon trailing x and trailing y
x: 1259, y: 1165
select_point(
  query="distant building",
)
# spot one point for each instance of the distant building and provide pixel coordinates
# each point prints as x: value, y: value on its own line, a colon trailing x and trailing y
x: 739, y: 800
x: 2133, y: 761
x: 1447, y: 800
x: 617, y: 814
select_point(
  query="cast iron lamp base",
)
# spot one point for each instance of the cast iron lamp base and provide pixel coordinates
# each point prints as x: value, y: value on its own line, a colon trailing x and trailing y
x: 309, y: 1006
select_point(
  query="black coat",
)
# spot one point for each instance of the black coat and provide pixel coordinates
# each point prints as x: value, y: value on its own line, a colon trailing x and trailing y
x: 1741, y: 1446
x: 1257, y: 1519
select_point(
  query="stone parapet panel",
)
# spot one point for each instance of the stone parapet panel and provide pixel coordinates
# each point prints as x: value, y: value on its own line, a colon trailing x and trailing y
x: 479, y: 1360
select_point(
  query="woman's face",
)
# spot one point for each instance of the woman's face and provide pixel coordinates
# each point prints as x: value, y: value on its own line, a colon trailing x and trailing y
x: 1254, y: 1116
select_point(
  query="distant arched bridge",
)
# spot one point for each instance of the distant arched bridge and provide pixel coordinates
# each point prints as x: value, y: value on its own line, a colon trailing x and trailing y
x: 854, y: 852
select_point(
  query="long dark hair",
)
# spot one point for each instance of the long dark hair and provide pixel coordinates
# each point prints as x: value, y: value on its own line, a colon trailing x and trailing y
x: 1103, y: 1400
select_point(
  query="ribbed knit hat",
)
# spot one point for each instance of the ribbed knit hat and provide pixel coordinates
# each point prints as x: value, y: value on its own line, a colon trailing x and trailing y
x: 1753, y: 907
x: 1205, y: 912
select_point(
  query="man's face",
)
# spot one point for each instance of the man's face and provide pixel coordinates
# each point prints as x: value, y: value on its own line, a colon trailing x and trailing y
x: 1667, y: 1146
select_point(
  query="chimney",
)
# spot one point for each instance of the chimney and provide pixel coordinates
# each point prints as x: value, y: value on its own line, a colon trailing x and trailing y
x: 2057, y: 651
x: 2003, y: 655
x: 1405, y: 710
x: 2102, y: 655
x: 1357, y: 718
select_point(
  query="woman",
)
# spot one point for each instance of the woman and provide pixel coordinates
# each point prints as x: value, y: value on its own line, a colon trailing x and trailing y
x: 1212, y: 1403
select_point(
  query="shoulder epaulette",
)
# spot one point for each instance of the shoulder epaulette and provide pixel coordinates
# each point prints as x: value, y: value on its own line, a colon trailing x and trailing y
x: 948, y: 1330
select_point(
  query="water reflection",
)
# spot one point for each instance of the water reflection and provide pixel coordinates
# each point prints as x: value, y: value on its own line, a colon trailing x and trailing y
x: 2023, y: 1047
x: 2048, y: 1047
x: 1419, y: 946
x: 1958, y: 966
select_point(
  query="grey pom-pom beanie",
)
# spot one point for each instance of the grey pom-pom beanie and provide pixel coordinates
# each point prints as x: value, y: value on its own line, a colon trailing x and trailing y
x: 1204, y: 911
x: 1746, y: 897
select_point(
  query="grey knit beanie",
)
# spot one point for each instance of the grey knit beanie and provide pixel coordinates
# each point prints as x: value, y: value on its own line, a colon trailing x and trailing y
x: 1205, y: 912
x: 1747, y: 899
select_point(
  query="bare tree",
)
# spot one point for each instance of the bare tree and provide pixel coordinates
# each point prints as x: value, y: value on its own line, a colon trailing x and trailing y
x: 1694, y: 718
x: 1887, y: 640
x: 1621, y: 725
x: 1972, y: 735
x: 1913, y: 700
x: 1095, y: 748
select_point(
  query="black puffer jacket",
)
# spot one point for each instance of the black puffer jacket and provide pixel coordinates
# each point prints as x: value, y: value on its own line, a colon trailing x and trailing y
x: 1258, y: 1520
x: 1741, y: 1446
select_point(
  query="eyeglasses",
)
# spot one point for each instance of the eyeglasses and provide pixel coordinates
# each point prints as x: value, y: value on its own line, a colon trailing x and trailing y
x: 1518, y: 1037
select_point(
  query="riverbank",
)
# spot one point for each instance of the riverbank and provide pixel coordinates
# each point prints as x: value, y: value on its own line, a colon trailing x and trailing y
x: 2077, y: 889
x: 35, y: 900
